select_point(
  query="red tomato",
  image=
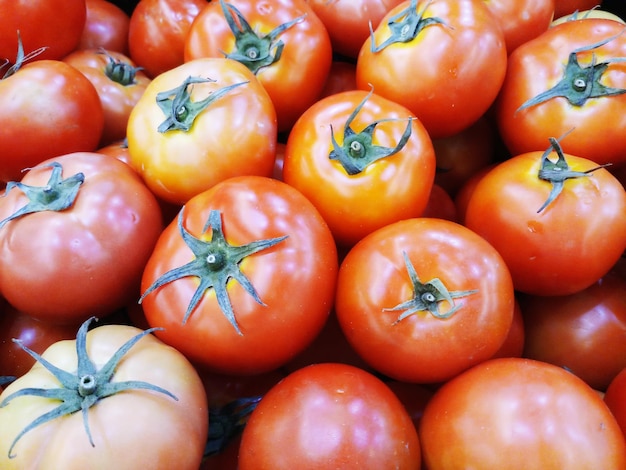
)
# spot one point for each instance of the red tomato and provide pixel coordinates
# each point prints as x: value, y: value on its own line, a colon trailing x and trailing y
x: 363, y: 160
x: 554, y: 241
x: 206, y: 113
x: 464, y: 49
x: 51, y: 105
x: 157, y: 32
x: 55, y: 26
x: 329, y: 416
x: 429, y: 282
x: 615, y: 398
x: 513, y: 345
x: 566, y: 7
x: 568, y: 83
x: 341, y: 77
x: 106, y: 26
x: 117, y: 149
x: 440, y: 205
x: 89, y: 238
x: 260, y: 299
x: 282, y: 42
x: 519, y: 414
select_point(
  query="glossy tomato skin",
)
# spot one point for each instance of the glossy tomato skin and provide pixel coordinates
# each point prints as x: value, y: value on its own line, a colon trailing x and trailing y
x: 106, y: 26
x: 449, y: 74
x: 387, y: 190
x: 53, y: 104
x: 235, y: 135
x: 329, y: 416
x: 89, y: 258
x: 615, y: 398
x: 295, y: 279
x: 121, y: 425
x: 538, y: 66
x: 567, y: 246
x: 519, y: 414
x: 295, y: 80
x: 424, y: 348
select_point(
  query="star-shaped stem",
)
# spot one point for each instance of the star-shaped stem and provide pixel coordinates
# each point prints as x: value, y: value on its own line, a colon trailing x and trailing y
x: 21, y: 58
x: 82, y: 389
x: 427, y: 296
x: 119, y: 71
x: 215, y: 263
x: 252, y: 50
x: 57, y: 195
x: 358, y: 150
x: 226, y: 422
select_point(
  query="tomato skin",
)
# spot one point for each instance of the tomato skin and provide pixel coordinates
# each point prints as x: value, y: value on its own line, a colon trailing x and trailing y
x: 341, y: 77
x: 235, y: 135
x: 106, y: 26
x: 329, y: 416
x: 295, y: 279
x: 296, y: 79
x: 566, y: 7
x: 466, y: 63
x: 615, y: 398
x: 373, y: 278
x: 121, y: 425
x: 519, y: 414
x: 565, y: 248
x: 55, y: 106
x: 387, y: 190
x: 537, y: 66
x: 89, y: 257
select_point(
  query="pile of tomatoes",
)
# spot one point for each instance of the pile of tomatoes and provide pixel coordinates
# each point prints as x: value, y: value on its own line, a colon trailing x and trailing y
x: 312, y: 234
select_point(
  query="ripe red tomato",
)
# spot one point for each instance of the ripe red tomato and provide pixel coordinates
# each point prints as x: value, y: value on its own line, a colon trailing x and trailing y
x: 440, y: 205
x: 362, y: 160
x: 615, y: 398
x: 329, y: 416
x: 426, y: 282
x: 519, y: 414
x: 234, y: 294
x: 106, y: 26
x: 445, y: 60
x: 513, y: 345
x: 282, y: 42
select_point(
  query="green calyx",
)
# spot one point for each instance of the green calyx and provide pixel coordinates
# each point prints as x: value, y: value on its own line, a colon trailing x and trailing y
x: 252, y: 50
x: 227, y: 422
x: 580, y: 83
x: 21, y: 58
x: 59, y: 194
x: 358, y: 150
x: 215, y: 263
x: 180, y: 112
x: 119, y: 71
x: 82, y: 389
x: 427, y: 297
x: 556, y: 173
x: 405, y: 26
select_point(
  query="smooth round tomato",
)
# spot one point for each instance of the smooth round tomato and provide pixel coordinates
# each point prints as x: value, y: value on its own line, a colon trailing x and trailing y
x: 198, y: 124
x: 615, y: 398
x: 422, y: 300
x: 329, y: 416
x: 147, y: 398
x: 514, y: 413
x: 244, y: 278
x: 106, y: 26
x: 568, y: 83
x: 557, y: 236
x: 282, y: 42
x: 445, y: 60
x: 53, y: 104
x: 77, y: 231
x: 362, y: 160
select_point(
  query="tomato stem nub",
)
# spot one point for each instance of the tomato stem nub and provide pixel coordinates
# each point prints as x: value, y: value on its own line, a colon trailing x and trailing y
x: 215, y: 263
x: 82, y: 389
x: 427, y: 296
x: 119, y: 71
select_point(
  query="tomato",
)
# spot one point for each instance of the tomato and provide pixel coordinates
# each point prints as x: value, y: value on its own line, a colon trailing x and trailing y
x: 426, y: 282
x: 364, y: 161
x: 566, y: 7
x: 329, y: 416
x: 348, y: 23
x: 244, y: 278
x: 53, y: 104
x: 568, y: 83
x: 148, y: 397
x: 207, y: 113
x: 77, y: 230
x: 440, y: 205
x: 117, y: 149
x: 341, y: 77
x: 119, y: 84
x: 282, y: 42
x: 50, y: 28
x: 519, y: 414
x: 558, y: 221
x: 157, y: 32
x: 513, y: 345
x: 447, y: 70
x: 615, y: 398
x: 584, y: 332
x: 106, y: 26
